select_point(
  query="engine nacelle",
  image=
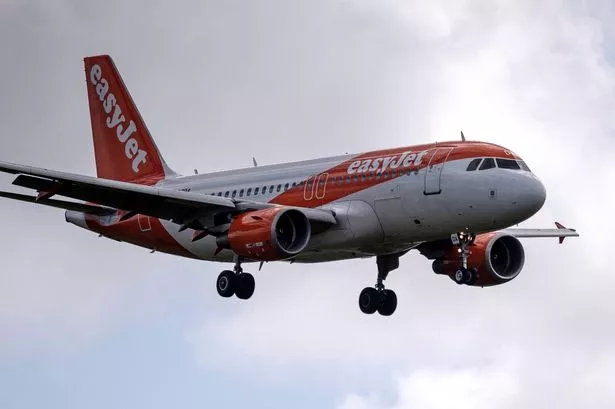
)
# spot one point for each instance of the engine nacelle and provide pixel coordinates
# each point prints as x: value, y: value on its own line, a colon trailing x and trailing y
x: 270, y: 234
x: 497, y: 257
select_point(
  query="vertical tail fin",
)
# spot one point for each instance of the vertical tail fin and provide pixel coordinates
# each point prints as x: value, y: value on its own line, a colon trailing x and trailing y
x: 123, y: 146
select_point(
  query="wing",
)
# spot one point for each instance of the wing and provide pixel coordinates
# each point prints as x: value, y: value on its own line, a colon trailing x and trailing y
x: 178, y: 206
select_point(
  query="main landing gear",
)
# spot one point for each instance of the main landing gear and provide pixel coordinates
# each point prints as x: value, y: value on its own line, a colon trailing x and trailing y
x: 464, y: 275
x: 235, y: 282
x: 378, y: 298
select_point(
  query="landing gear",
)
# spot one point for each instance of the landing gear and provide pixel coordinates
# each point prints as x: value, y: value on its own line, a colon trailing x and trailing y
x: 235, y: 282
x: 378, y: 298
x: 464, y: 275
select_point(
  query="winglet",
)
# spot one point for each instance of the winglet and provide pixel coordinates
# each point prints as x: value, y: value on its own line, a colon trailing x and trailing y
x: 561, y: 226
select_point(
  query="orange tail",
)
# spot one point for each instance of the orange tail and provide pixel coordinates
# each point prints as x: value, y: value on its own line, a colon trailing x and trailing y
x: 123, y: 146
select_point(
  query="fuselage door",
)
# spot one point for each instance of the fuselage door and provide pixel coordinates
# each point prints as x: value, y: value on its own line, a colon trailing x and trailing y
x: 433, y: 173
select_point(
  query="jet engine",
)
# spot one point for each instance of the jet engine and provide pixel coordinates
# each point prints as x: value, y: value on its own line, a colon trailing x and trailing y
x: 497, y: 258
x: 270, y: 234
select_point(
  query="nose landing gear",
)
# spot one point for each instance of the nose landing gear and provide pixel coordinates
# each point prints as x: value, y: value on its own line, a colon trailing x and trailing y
x: 235, y: 282
x: 464, y: 275
x: 378, y: 298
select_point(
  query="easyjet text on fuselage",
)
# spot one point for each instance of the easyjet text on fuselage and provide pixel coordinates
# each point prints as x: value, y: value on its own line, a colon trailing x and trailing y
x: 379, y: 165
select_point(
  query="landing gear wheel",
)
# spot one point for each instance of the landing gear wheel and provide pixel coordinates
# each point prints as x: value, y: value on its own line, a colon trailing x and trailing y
x: 472, y: 276
x: 389, y: 303
x: 369, y: 300
x: 226, y: 284
x: 465, y: 276
x: 460, y: 276
x: 244, y: 286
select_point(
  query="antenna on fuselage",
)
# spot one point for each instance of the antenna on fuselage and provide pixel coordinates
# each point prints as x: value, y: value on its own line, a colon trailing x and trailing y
x: 254, y: 161
x: 463, y: 137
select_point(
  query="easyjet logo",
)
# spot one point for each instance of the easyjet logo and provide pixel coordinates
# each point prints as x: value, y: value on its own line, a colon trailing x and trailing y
x: 379, y: 165
x: 116, y: 120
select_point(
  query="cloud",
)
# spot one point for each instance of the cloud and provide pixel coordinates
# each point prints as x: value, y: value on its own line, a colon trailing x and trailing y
x: 440, y: 389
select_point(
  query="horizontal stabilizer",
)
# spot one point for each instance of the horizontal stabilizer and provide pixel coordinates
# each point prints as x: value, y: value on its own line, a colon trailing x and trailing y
x: 61, y: 204
x: 561, y: 232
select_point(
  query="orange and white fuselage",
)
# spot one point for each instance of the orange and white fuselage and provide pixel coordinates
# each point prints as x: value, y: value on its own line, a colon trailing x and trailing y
x: 385, y: 201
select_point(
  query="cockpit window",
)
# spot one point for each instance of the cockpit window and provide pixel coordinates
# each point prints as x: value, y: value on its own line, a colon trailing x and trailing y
x: 507, y: 164
x: 474, y: 164
x: 524, y: 166
x: 488, y: 163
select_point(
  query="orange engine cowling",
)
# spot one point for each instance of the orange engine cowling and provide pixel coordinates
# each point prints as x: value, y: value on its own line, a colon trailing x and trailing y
x: 497, y: 257
x: 267, y: 235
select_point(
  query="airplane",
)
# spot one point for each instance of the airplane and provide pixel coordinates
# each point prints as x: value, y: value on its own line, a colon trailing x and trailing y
x: 454, y: 202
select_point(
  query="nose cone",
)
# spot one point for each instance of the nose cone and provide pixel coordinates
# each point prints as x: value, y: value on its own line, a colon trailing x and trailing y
x: 533, y: 196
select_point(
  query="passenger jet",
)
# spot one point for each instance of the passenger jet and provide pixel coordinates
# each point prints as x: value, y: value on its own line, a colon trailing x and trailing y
x: 454, y: 202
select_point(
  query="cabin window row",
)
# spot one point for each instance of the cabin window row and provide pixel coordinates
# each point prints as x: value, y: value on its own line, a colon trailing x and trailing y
x: 257, y: 190
x: 334, y: 180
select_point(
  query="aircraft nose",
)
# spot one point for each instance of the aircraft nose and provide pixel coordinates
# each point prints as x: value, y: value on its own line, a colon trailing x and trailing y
x: 534, y: 194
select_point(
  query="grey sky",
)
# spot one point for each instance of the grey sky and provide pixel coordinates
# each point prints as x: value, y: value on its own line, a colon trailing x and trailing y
x: 87, y: 322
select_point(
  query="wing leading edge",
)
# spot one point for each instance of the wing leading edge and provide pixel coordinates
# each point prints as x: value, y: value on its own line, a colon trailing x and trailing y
x: 178, y: 206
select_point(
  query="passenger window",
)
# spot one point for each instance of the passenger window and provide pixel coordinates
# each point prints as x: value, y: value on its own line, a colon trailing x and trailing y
x: 474, y: 164
x: 488, y: 163
x: 294, y: 184
x: 286, y: 187
x: 249, y: 192
x: 241, y: 193
x: 234, y: 193
x: 347, y: 179
x: 279, y: 188
x: 264, y: 190
x: 271, y: 189
x: 219, y: 193
x: 226, y: 193
x: 508, y: 164
x: 255, y: 191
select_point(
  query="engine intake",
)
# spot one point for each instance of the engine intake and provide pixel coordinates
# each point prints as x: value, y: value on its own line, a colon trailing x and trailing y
x: 267, y: 235
x: 498, y: 258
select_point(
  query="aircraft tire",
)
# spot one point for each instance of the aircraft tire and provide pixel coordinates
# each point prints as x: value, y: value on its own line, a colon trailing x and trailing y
x: 460, y: 276
x: 244, y: 287
x: 472, y: 276
x: 369, y: 300
x: 226, y: 284
x: 389, y: 303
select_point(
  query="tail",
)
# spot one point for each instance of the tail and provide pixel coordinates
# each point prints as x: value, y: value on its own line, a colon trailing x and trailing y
x: 123, y: 147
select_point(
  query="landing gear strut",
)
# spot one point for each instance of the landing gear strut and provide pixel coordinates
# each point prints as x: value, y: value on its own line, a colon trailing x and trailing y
x: 464, y: 275
x: 378, y: 298
x: 235, y: 282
